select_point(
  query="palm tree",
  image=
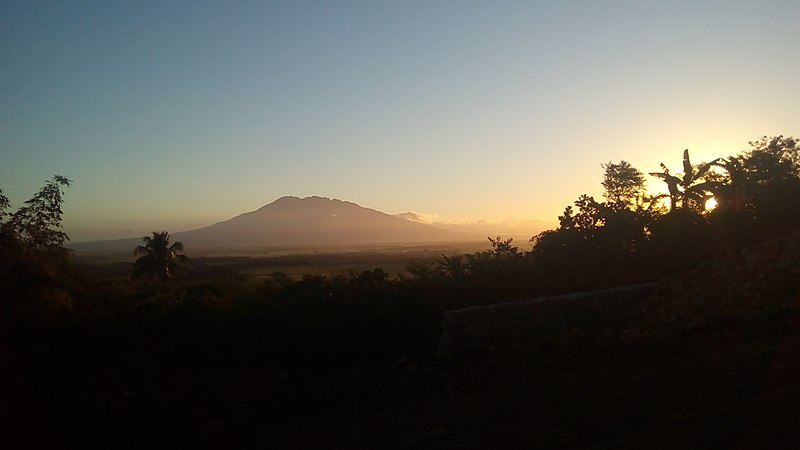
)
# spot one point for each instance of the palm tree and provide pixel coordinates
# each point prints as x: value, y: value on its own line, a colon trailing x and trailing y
x: 157, y: 257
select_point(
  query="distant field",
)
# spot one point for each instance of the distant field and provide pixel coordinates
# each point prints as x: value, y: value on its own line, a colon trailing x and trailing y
x: 298, y: 261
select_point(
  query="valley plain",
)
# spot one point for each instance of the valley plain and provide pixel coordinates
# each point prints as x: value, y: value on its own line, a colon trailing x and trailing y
x: 296, y: 261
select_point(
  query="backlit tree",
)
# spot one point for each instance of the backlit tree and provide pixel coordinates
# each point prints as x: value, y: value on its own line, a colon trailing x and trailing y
x: 157, y: 257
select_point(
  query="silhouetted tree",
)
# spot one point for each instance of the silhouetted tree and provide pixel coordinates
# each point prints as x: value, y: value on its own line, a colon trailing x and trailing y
x: 424, y: 270
x: 578, y: 234
x: 503, y: 247
x: 157, y: 257
x: 623, y: 184
x: 35, y: 273
x: 731, y: 190
x: 5, y: 233
x: 368, y: 278
x: 453, y: 266
x: 38, y: 223
x: 4, y: 204
x: 672, y: 186
x: 782, y: 153
x: 499, y: 259
x: 685, y: 189
x: 772, y: 178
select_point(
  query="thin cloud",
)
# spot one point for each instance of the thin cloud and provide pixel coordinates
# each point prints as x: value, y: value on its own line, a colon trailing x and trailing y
x: 502, y: 227
x: 415, y: 216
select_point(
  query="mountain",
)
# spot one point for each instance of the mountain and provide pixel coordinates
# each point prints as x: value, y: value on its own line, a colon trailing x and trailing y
x: 291, y: 221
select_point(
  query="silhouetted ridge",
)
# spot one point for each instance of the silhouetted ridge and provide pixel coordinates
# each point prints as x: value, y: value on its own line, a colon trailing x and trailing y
x: 292, y: 220
x: 313, y: 221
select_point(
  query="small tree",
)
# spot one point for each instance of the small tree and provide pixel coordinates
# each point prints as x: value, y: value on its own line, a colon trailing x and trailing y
x: 38, y: 223
x: 157, y: 257
x: 35, y: 274
x: 503, y: 248
x: 623, y: 184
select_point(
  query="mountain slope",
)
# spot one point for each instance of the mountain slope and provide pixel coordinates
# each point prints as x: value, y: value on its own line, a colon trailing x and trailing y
x: 313, y: 221
x: 302, y: 221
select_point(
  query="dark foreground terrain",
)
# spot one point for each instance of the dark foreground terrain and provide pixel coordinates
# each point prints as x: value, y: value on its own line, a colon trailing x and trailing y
x: 670, y: 377
x: 733, y: 388
x: 709, y: 359
x: 705, y: 390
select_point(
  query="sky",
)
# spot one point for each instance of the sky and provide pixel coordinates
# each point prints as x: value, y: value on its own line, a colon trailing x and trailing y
x: 179, y: 114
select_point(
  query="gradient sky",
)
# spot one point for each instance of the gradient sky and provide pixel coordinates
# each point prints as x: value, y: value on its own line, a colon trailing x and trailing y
x: 178, y: 114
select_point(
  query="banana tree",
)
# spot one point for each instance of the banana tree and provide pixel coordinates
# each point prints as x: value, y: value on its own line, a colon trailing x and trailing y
x: 683, y: 188
x: 672, y: 186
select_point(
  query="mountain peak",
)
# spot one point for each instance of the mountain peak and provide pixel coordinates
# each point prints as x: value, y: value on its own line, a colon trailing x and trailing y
x: 305, y: 203
x: 315, y: 220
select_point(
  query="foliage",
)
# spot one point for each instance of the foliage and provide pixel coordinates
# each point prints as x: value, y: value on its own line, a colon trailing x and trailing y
x: 369, y: 278
x: 684, y: 190
x: 503, y: 248
x: 4, y: 204
x: 757, y: 193
x: 775, y: 157
x: 732, y: 185
x: 623, y: 183
x: 38, y: 223
x: 37, y: 277
x: 157, y: 257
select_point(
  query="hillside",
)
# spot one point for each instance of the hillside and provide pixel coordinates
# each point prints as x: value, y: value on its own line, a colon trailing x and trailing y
x: 293, y: 221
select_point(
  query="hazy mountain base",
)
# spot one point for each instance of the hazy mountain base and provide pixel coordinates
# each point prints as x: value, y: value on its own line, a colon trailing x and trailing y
x: 296, y: 261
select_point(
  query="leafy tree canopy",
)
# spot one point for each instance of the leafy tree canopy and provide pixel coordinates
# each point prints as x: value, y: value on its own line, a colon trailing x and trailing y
x: 623, y: 183
x: 38, y: 223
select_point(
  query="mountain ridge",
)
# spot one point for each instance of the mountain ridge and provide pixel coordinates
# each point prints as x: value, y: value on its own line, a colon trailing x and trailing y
x: 291, y: 220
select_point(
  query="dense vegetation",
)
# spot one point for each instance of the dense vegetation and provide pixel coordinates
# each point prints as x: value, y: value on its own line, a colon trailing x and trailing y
x: 176, y: 355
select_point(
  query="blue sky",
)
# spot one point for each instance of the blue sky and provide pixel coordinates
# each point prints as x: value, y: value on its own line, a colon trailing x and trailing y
x: 174, y: 115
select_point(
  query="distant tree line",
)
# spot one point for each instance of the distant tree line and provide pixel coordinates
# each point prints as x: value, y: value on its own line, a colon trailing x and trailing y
x: 709, y: 210
x: 756, y: 195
